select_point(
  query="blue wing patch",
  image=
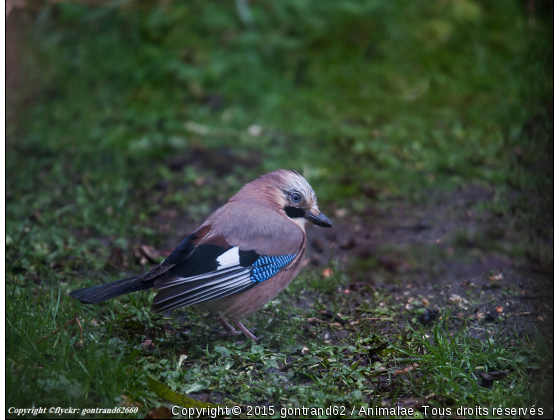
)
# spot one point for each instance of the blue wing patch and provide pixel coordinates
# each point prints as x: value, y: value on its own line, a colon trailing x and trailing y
x: 266, y: 267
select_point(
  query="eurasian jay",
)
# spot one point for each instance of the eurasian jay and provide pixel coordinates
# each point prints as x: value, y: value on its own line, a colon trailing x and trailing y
x: 242, y: 256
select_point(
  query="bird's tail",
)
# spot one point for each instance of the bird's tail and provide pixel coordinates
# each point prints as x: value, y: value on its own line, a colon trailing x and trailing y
x: 101, y: 293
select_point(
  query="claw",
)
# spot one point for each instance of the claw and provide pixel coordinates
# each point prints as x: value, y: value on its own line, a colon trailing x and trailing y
x: 229, y: 330
x: 244, y: 330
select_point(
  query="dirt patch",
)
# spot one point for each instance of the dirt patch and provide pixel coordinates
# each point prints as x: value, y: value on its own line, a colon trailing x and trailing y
x: 450, y: 253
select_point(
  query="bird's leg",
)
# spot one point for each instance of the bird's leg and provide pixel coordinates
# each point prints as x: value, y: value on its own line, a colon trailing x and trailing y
x: 227, y: 327
x: 244, y: 330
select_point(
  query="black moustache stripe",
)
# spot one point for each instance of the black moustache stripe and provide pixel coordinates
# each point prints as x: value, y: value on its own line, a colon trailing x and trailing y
x: 294, y: 212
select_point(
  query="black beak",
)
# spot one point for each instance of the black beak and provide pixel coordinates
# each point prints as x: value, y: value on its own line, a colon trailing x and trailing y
x: 319, y: 219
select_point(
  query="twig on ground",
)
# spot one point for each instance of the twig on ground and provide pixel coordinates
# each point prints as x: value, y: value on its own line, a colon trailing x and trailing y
x: 72, y: 321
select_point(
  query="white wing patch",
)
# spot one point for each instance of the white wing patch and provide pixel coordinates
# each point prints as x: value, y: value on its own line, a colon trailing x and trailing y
x: 228, y: 263
x: 229, y: 258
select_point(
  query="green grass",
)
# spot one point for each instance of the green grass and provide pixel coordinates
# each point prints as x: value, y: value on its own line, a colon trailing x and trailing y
x: 134, y: 126
x: 366, y: 369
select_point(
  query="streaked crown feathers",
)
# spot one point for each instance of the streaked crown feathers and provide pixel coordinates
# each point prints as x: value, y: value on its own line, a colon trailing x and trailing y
x: 276, y: 188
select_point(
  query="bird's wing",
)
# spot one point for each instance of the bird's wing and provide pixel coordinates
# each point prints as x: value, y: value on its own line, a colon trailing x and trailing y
x: 214, y: 270
x: 179, y: 255
x: 243, y: 244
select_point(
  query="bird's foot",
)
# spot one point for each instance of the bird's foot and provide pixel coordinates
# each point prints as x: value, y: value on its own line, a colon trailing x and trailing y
x: 229, y: 330
x: 244, y: 330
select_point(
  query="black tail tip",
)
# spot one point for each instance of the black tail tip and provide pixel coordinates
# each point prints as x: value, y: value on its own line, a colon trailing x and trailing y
x: 80, y: 295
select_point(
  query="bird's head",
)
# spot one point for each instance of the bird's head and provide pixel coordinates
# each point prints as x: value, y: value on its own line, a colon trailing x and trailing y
x: 287, y: 192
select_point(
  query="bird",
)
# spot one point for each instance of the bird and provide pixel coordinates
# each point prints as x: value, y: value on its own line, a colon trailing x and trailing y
x: 241, y: 257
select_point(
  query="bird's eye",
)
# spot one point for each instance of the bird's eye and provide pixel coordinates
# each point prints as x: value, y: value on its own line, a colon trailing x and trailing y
x: 296, y: 198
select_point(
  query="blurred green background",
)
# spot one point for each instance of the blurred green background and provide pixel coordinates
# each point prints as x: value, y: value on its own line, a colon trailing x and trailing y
x: 123, y: 110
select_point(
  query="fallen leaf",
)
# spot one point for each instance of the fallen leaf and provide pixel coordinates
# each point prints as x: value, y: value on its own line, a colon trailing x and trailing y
x: 315, y: 321
x: 407, y: 369
x: 116, y: 258
x: 496, y: 277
